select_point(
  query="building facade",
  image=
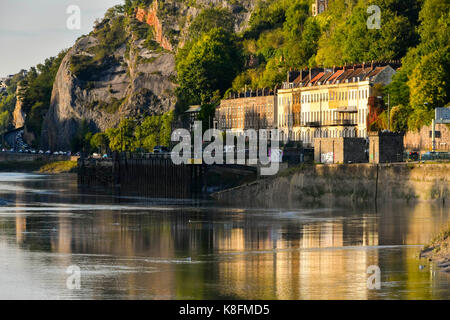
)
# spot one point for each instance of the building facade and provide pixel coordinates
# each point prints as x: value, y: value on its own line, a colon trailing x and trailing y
x: 340, y: 150
x: 318, y: 7
x: 336, y: 102
x: 250, y: 110
x: 192, y: 115
x: 385, y: 147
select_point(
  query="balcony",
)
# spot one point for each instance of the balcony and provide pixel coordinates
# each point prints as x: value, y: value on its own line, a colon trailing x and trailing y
x: 312, y: 124
x: 347, y: 110
x: 343, y: 122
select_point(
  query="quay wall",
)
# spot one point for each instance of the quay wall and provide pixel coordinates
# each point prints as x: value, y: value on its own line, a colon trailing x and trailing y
x: 154, y: 177
x: 27, y: 157
x: 345, y: 185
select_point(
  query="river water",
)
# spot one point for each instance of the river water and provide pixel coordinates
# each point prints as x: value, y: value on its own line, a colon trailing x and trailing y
x: 131, y: 248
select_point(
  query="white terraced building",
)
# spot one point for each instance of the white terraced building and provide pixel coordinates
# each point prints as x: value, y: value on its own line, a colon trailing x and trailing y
x: 335, y: 102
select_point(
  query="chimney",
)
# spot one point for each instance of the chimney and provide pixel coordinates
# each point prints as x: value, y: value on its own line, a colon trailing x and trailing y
x: 292, y: 75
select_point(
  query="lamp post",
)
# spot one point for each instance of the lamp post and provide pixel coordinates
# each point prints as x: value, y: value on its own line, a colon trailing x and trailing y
x: 389, y: 113
x: 433, y: 131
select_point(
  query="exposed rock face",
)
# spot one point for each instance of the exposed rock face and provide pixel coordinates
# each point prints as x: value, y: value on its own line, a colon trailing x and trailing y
x: 150, y: 17
x: 137, y: 89
x: 138, y: 82
x: 18, y: 115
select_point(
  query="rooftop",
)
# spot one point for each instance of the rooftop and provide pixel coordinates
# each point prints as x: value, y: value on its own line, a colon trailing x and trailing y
x: 344, y: 74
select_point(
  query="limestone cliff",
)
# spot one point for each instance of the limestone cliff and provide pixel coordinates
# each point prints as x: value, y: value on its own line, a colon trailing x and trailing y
x: 124, y: 68
x: 18, y: 115
x: 131, y: 82
x: 151, y: 18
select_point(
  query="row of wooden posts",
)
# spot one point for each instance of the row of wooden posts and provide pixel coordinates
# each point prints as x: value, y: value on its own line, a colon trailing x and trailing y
x: 156, y: 177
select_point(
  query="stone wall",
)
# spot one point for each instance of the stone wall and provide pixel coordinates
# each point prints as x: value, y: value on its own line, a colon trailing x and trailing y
x: 24, y: 157
x: 339, y: 150
x: 385, y: 147
x: 345, y: 185
x: 421, y: 140
x: 255, y: 112
x: 18, y: 115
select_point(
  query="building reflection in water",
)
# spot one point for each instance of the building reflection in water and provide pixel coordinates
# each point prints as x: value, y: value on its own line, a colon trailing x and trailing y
x: 199, y: 253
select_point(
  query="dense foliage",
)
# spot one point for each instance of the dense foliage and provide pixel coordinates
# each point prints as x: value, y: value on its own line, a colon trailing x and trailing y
x: 36, y: 91
x: 144, y: 136
x: 8, y: 101
x: 208, y: 64
x: 130, y: 135
x: 281, y: 34
x: 423, y: 82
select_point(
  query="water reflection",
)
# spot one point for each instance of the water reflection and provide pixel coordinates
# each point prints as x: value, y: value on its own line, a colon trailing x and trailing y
x: 130, y: 248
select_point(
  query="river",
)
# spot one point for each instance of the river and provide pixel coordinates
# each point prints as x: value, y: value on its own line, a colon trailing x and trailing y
x: 134, y: 248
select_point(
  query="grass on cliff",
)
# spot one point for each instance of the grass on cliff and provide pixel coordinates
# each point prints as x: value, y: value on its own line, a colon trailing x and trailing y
x: 59, y: 167
x: 442, y: 238
x: 439, y: 247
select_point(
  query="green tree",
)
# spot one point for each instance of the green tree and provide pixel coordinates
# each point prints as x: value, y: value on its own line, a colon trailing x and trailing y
x: 429, y: 86
x: 348, y: 39
x: 100, y: 142
x: 82, y: 138
x: 211, y: 18
x: 122, y: 138
x: 35, y: 93
x: 399, y: 118
x: 206, y: 115
x: 300, y: 49
x: 209, y: 64
x: 148, y: 132
x: 5, y: 121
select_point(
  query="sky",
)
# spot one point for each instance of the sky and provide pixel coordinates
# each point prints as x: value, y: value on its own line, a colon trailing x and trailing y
x: 33, y: 30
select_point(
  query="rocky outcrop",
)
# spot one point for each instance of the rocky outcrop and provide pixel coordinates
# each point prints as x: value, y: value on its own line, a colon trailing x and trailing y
x: 151, y: 18
x: 138, y: 81
x: 438, y: 250
x: 137, y: 85
x: 18, y: 115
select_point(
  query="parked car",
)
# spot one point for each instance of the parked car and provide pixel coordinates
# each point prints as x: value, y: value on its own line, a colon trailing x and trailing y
x: 413, y: 156
x: 48, y: 152
x: 160, y: 149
